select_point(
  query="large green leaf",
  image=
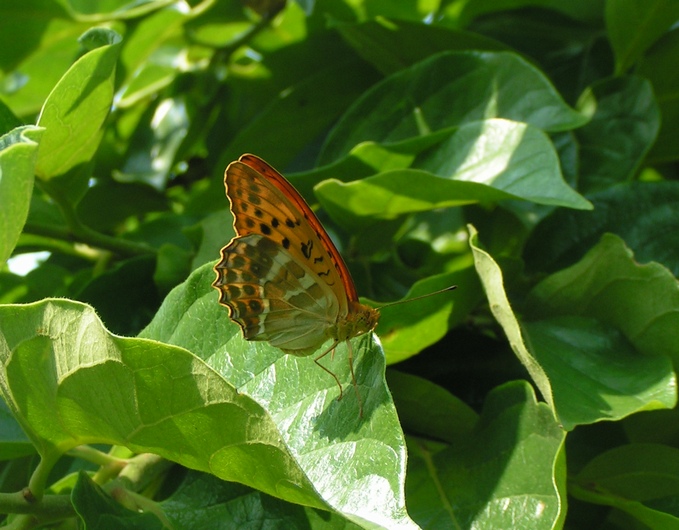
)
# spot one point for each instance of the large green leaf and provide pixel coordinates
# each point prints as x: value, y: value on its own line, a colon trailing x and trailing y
x: 486, y: 161
x: 259, y: 418
x: 451, y: 89
x: 595, y: 373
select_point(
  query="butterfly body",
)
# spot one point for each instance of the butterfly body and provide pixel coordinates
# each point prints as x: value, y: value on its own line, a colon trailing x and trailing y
x: 281, y: 276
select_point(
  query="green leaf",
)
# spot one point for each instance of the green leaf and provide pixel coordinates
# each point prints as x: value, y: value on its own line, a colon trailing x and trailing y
x: 18, y: 153
x: 657, y: 67
x: 450, y: 89
x: 68, y: 382
x: 145, y: 38
x: 500, y: 476
x: 326, y: 437
x: 391, y: 45
x: 642, y: 301
x: 13, y: 441
x: 409, y: 327
x: 634, y: 25
x: 640, y: 479
x: 38, y: 42
x: 428, y: 410
x: 595, y: 373
x: 172, y: 267
x: 486, y: 161
x: 207, y: 502
x: 98, y: 510
x: 644, y: 214
x: 491, y: 278
x: 75, y: 111
x: 108, y: 9
x: 625, y: 122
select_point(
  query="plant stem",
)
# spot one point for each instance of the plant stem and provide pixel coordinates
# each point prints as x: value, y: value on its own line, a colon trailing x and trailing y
x: 91, y: 454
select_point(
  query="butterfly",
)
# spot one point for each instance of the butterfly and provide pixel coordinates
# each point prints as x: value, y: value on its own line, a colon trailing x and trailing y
x: 281, y: 277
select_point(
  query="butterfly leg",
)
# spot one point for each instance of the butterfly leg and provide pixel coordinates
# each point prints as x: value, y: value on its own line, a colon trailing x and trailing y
x: 326, y: 352
x: 351, y: 369
x: 353, y: 379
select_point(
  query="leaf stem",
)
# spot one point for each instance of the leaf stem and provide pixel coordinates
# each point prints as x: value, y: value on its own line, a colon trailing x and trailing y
x: 86, y: 452
x: 79, y: 232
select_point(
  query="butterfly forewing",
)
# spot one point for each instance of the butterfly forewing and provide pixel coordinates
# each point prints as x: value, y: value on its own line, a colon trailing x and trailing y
x: 297, y: 202
x: 260, y: 207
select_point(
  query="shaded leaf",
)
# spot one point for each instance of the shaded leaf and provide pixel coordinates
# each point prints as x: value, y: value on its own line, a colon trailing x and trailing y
x: 641, y: 301
x: 631, y: 211
x: 501, y: 476
x: 625, y: 17
x: 640, y: 479
x: 595, y: 373
x: 625, y: 122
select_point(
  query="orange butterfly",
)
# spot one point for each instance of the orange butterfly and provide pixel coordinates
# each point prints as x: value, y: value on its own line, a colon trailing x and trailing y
x: 281, y: 276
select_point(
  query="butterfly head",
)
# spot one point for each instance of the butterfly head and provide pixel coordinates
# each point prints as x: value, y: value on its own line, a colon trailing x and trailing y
x: 359, y: 320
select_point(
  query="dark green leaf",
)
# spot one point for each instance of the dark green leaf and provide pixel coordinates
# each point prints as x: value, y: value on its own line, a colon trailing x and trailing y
x: 625, y: 17
x: 607, y: 284
x: 595, y: 373
x: 640, y: 479
x: 98, y: 510
x: 645, y: 215
x: 625, y: 122
x: 450, y: 89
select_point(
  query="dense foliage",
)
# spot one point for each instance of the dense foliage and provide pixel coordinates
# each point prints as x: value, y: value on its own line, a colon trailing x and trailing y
x: 524, y: 151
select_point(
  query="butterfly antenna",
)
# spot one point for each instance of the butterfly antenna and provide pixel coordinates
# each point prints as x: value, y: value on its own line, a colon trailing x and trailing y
x: 397, y: 302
